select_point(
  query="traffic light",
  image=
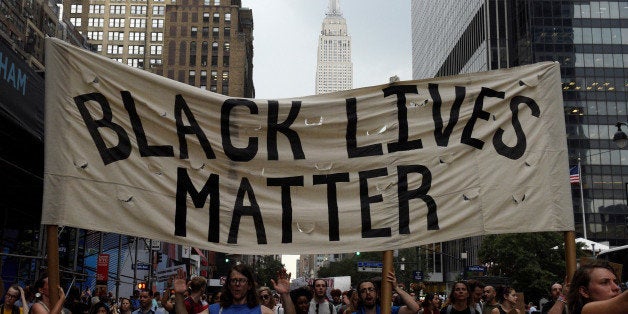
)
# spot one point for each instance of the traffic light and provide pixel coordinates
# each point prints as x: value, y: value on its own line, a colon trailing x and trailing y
x: 141, y: 286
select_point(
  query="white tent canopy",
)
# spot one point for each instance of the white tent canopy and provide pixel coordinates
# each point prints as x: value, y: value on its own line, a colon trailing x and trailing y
x: 592, y: 245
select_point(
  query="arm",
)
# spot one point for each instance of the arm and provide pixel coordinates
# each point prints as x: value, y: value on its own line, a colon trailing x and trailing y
x: 179, y: 289
x: 165, y: 301
x: 618, y: 304
x: 58, y: 307
x: 23, y: 298
x: 411, y: 306
x: 282, y: 286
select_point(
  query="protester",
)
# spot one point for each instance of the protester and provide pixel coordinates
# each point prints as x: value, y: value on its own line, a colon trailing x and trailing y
x: 336, y: 299
x: 125, y: 306
x: 319, y: 303
x: 43, y: 306
x: 593, y: 290
x: 369, y: 298
x: 301, y: 298
x: 193, y: 303
x: 267, y: 300
x: 146, y: 303
x: 215, y: 298
x: 238, y: 293
x: 459, y: 299
x: 99, y: 308
x: 555, y: 291
x: 14, y: 293
x: 476, y: 289
x: 531, y: 307
x: 354, y: 302
x: 490, y: 300
x: 430, y: 305
x: 74, y: 303
x: 507, y: 297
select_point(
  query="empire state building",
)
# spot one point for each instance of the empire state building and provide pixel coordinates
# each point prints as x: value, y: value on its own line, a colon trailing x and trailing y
x: 334, y: 69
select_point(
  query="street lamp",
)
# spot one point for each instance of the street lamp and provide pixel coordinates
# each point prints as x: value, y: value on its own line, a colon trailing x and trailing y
x: 620, y: 138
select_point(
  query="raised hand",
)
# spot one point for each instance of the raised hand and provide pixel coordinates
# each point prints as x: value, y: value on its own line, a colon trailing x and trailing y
x: 179, y: 283
x: 282, y: 285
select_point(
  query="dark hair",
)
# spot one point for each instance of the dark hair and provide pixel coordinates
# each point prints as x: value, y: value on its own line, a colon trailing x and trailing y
x: 453, y: 288
x: 472, y: 284
x: 39, y: 284
x: 96, y: 306
x: 501, y: 291
x: 582, y: 278
x: 198, y: 283
x: 300, y: 292
x: 226, y: 298
x: 427, y: 302
x: 335, y: 293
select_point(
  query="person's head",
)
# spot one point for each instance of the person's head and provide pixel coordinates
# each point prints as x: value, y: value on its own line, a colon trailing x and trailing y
x: 198, y: 284
x: 367, y: 293
x: 146, y: 300
x: 476, y: 288
x: 99, y: 308
x: 436, y: 301
x: 12, y: 295
x: 125, y: 305
x: 320, y: 288
x: 427, y: 302
x: 507, y: 294
x: 556, y: 290
x: 266, y: 297
x: 335, y: 295
x: 239, y: 287
x: 301, y: 298
x: 460, y: 293
x: 489, y: 294
x: 41, y: 285
x: 215, y: 297
x: 592, y: 282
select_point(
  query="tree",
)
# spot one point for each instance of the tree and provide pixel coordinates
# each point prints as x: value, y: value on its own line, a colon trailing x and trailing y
x: 527, y: 259
x: 267, y: 268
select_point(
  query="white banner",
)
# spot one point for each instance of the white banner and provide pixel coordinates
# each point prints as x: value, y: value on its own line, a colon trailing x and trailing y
x: 377, y: 168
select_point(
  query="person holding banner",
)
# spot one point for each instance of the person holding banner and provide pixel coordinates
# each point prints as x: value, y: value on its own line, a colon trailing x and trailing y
x: 593, y: 290
x: 369, y: 298
x: 238, y: 294
x: 43, y: 306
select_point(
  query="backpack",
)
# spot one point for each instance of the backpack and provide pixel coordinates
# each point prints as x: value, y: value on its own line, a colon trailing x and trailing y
x: 450, y: 306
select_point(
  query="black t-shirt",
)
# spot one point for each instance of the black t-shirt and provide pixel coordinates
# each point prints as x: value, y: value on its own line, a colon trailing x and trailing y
x: 454, y: 311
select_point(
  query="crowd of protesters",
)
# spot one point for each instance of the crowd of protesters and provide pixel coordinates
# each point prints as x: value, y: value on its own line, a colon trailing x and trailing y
x: 593, y: 289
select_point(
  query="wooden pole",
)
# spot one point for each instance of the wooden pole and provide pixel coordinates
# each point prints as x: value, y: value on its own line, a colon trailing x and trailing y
x: 386, y: 293
x: 52, y: 242
x: 570, y: 253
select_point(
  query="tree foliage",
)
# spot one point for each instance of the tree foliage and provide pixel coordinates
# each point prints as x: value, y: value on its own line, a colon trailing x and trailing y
x: 527, y: 259
x: 267, y: 268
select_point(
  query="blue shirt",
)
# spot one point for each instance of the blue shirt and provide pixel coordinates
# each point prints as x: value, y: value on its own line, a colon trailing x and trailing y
x: 235, y: 309
x: 394, y: 310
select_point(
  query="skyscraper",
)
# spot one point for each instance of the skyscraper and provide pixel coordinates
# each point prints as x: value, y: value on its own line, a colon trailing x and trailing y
x: 589, y: 40
x: 334, y: 69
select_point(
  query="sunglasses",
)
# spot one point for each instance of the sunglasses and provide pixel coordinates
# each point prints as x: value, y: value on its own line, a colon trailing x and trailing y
x: 264, y: 296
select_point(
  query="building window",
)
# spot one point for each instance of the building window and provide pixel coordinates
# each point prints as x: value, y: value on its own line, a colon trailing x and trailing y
x: 216, y: 17
x: 158, y: 23
x: 115, y: 35
x: 136, y: 49
x: 76, y: 21
x: 98, y: 48
x: 214, y: 60
x: 157, y: 36
x: 193, y: 31
x: 227, y: 17
x: 225, y: 61
x: 226, y: 47
x: 137, y: 23
x: 216, y: 2
x: 156, y: 49
x: 139, y: 9
x: 205, y: 33
x: 227, y: 32
x: 117, y: 9
x: 192, y: 77
x: 225, y: 76
x: 115, y: 49
x: 137, y: 36
x: 95, y: 22
x: 215, y: 32
x: 96, y: 9
x: 76, y: 8
x: 159, y: 10
x: 206, y: 2
x: 214, y: 76
x: 95, y: 35
x: 155, y: 62
x: 214, y: 47
x: 206, y: 17
x: 136, y: 63
x: 116, y: 22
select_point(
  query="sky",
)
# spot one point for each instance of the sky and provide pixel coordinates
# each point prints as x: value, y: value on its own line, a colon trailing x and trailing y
x: 285, y: 38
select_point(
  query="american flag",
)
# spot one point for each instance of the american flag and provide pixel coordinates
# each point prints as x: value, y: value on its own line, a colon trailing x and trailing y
x: 574, y: 175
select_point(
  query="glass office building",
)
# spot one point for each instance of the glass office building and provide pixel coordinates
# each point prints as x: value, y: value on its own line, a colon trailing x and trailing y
x: 590, y: 41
